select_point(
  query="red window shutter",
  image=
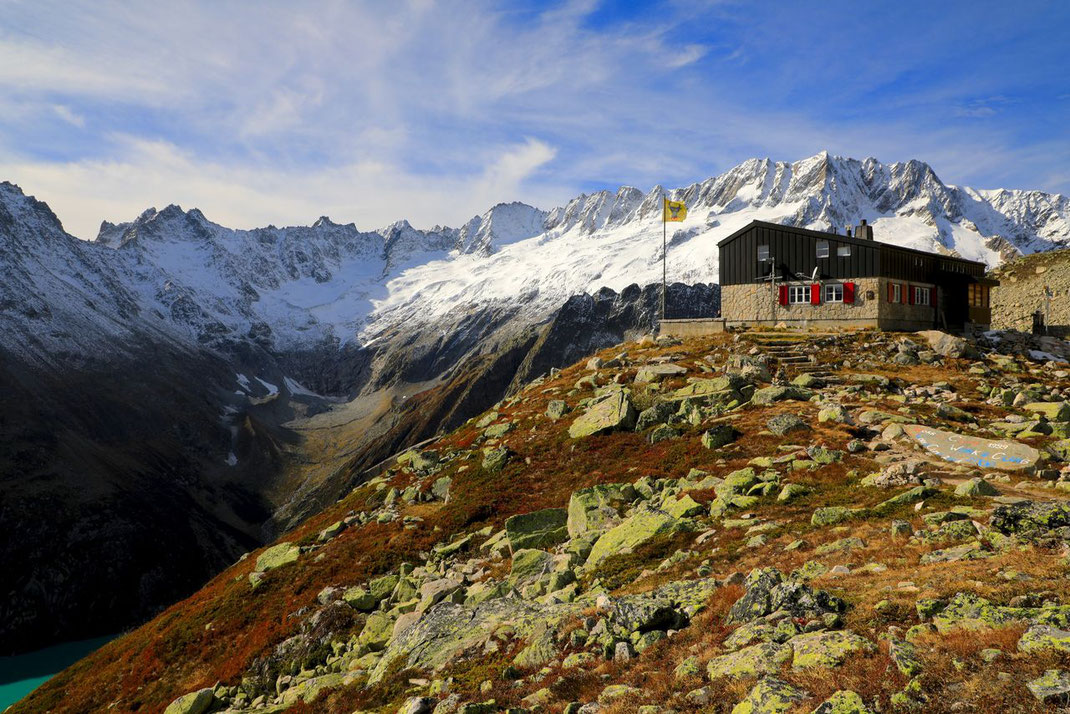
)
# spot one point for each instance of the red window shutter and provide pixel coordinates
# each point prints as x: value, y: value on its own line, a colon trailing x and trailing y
x: 911, y: 294
x: 932, y: 296
x: 891, y: 292
x: 849, y: 292
x: 783, y: 295
x: 815, y: 294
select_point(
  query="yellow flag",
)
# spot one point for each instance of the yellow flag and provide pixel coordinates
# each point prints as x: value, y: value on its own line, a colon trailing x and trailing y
x: 674, y: 211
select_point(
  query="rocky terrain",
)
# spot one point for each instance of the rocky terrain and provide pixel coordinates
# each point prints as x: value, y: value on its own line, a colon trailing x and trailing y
x: 249, y: 378
x: 1031, y: 283
x: 666, y: 527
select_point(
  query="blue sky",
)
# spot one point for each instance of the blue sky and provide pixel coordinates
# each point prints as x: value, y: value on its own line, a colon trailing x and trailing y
x: 279, y: 112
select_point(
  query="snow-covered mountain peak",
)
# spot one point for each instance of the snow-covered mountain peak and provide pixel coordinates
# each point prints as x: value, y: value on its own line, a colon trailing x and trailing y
x: 503, y: 224
x: 300, y: 286
x: 24, y: 213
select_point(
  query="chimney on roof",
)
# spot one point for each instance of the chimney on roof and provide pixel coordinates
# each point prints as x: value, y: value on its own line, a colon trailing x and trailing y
x: 848, y: 233
x: 864, y: 231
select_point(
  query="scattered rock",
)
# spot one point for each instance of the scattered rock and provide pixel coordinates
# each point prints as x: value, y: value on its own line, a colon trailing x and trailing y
x: 612, y: 413
x: 644, y: 525
x: 783, y: 424
x: 540, y: 529
x: 720, y: 435
x: 193, y: 703
x: 494, y: 460
x: 843, y: 702
x: 1051, y: 688
x: 658, y: 372
x: 277, y: 556
x: 976, y: 487
x: 556, y: 409
x: 770, y: 696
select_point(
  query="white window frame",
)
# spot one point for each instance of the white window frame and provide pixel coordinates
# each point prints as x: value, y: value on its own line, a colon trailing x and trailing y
x: 831, y: 290
x: 825, y: 245
x: 897, y: 293
x: 799, y: 295
x: 922, y: 296
x: 761, y: 249
x: 843, y: 251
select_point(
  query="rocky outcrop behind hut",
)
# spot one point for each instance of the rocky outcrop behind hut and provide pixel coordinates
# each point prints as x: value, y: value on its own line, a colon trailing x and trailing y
x: 1039, y: 282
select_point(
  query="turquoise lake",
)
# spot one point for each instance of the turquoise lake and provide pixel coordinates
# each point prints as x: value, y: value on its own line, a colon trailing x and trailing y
x: 22, y: 674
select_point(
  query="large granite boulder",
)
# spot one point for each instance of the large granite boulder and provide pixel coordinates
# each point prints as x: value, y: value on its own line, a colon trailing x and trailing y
x: 644, y: 525
x: 613, y: 413
x: 193, y: 703
x: 598, y: 508
x: 767, y: 591
x: 540, y: 529
x: 277, y: 556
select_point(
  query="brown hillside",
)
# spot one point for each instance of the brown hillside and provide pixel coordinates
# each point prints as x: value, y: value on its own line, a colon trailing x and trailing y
x: 754, y: 543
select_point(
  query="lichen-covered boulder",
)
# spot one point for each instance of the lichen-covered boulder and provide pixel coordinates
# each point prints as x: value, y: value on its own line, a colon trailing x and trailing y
x: 976, y: 487
x: 770, y: 395
x: 720, y: 435
x: 831, y: 515
x: 729, y: 386
x: 658, y: 372
x: 641, y: 527
x: 770, y: 696
x: 784, y: 424
x: 556, y: 409
x: 1044, y: 637
x: 682, y: 507
x: 659, y: 413
x: 752, y: 661
x: 843, y: 702
x: 613, y: 413
x: 904, y: 655
x: 193, y: 703
x: 597, y: 508
x: 448, y: 630
x: 494, y: 460
x: 1052, y: 411
x: 1051, y: 688
x: 540, y: 529
x: 440, y: 489
x: 767, y: 590
x: 836, y: 413
x: 277, y: 556
x: 497, y: 431
x: 530, y: 564
x: 826, y: 649
x: 970, y: 611
x: 309, y: 689
x: 1031, y: 518
x: 948, y: 345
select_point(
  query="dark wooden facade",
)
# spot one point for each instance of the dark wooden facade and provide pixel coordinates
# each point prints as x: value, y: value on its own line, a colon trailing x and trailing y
x: 793, y: 256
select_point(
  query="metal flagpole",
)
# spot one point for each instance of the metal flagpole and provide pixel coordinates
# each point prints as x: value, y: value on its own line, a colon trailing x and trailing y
x: 664, y: 269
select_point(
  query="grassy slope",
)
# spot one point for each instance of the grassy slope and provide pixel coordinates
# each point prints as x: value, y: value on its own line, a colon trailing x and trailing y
x: 218, y: 632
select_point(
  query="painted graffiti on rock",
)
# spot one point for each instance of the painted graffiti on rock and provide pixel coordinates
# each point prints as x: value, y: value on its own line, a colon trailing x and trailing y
x: 986, y: 453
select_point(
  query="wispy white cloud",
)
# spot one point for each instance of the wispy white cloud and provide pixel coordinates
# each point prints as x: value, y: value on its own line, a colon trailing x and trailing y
x: 69, y: 116
x: 372, y: 111
x: 369, y: 193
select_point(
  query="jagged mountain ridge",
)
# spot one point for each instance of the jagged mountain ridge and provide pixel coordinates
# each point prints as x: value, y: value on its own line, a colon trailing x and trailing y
x: 296, y: 287
x: 380, y: 315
